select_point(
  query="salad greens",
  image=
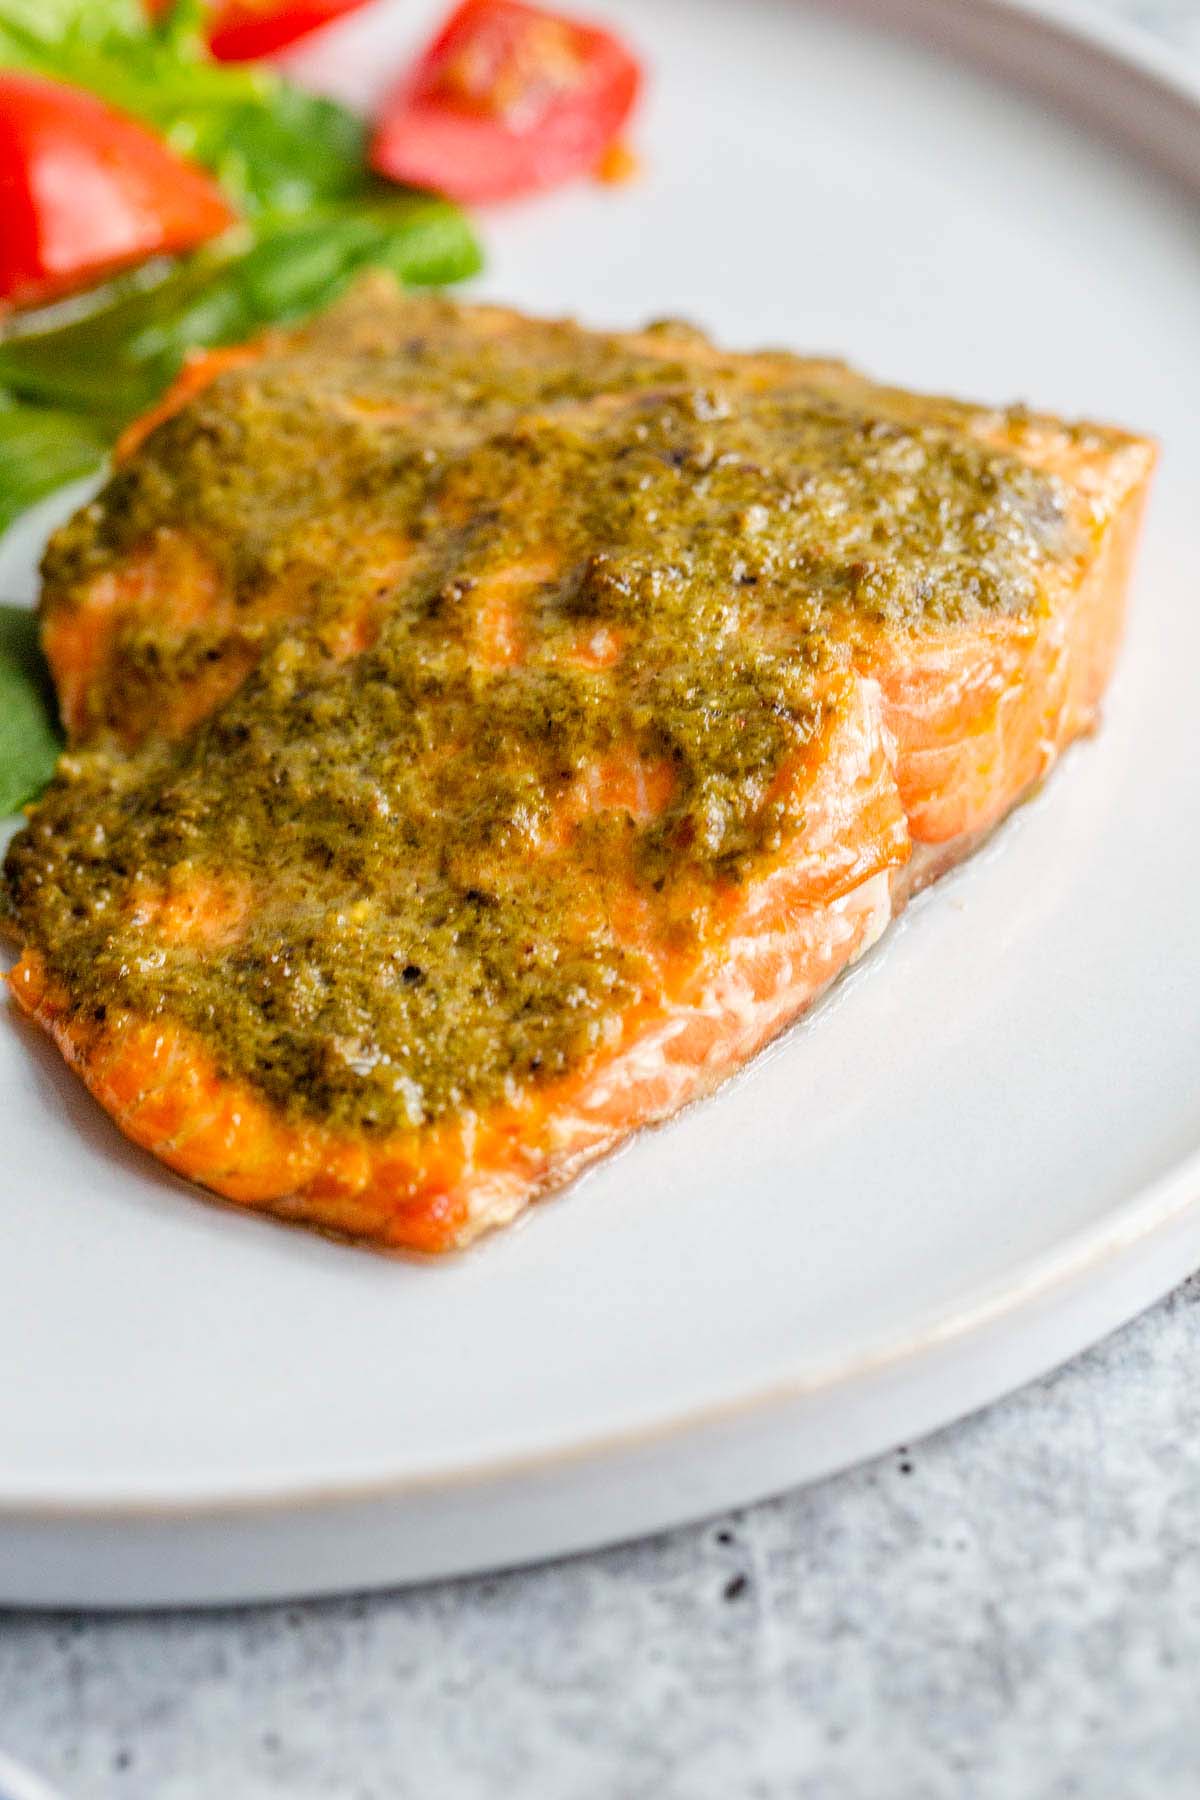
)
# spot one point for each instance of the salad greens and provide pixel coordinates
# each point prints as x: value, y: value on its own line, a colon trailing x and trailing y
x: 29, y: 738
x: 273, y: 147
x: 42, y: 448
x: 73, y: 375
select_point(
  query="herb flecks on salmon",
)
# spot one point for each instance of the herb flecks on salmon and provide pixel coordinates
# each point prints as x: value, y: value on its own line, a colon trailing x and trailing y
x: 487, y: 732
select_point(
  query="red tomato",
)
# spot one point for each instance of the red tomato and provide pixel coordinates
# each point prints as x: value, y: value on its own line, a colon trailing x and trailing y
x: 506, y: 99
x: 244, y: 29
x: 84, y: 190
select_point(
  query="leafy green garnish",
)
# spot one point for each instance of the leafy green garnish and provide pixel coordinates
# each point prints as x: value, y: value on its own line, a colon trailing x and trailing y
x: 41, y: 448
x: 29, y: 738
x: 115, y: 360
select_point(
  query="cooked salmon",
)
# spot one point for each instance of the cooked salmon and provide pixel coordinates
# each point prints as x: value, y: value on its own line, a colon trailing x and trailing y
x: 487, y: 733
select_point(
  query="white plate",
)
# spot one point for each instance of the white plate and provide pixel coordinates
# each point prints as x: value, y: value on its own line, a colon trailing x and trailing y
x: 981, y: 1154
x: 19, y: 1783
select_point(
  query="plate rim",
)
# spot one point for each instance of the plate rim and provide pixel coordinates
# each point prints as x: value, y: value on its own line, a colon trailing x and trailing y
x: 1143, y: 1216
x: 1141, y: 1220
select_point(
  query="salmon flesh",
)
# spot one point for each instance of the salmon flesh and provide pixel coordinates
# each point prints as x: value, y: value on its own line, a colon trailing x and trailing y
x: 486, y: 734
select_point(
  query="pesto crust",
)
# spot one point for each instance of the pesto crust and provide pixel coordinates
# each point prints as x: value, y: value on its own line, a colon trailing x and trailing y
x: 423, y: 931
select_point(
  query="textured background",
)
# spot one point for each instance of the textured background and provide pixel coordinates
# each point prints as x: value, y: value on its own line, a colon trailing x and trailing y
x: 1012, y: 1609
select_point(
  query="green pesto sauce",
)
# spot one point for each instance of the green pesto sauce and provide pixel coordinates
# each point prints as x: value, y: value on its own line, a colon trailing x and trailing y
x: 421, y: 935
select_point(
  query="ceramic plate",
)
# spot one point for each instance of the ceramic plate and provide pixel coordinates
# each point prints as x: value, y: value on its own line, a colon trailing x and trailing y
x: 981, y: 1152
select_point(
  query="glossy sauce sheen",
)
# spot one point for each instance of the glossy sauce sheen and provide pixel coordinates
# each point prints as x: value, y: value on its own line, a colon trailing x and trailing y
x: 487, y: 733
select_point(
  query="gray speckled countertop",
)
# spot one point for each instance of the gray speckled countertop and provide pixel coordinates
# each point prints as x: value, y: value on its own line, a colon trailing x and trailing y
x: 1011, y: 1609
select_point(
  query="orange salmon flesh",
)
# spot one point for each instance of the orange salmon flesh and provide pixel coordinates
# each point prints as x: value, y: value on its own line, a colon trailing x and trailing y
x: 177, y: 628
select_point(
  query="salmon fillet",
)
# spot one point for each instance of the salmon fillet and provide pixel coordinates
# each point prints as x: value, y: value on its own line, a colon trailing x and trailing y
x: 486, y: 734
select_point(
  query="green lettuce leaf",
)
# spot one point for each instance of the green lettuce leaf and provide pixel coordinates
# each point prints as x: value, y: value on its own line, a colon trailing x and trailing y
x: 42, y: 448
x: 30, y: 741
x: 114, y: 360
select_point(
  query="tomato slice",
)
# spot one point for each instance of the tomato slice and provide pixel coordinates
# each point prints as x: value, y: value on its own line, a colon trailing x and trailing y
x: 506, y: 99
x: 85, y: 190
x: 244, y: 29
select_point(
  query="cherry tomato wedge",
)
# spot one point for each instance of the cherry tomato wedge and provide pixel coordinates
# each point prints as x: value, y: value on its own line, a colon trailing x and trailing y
x: 85, y: 190
x: 506, y: 99
x: 241, y: 30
